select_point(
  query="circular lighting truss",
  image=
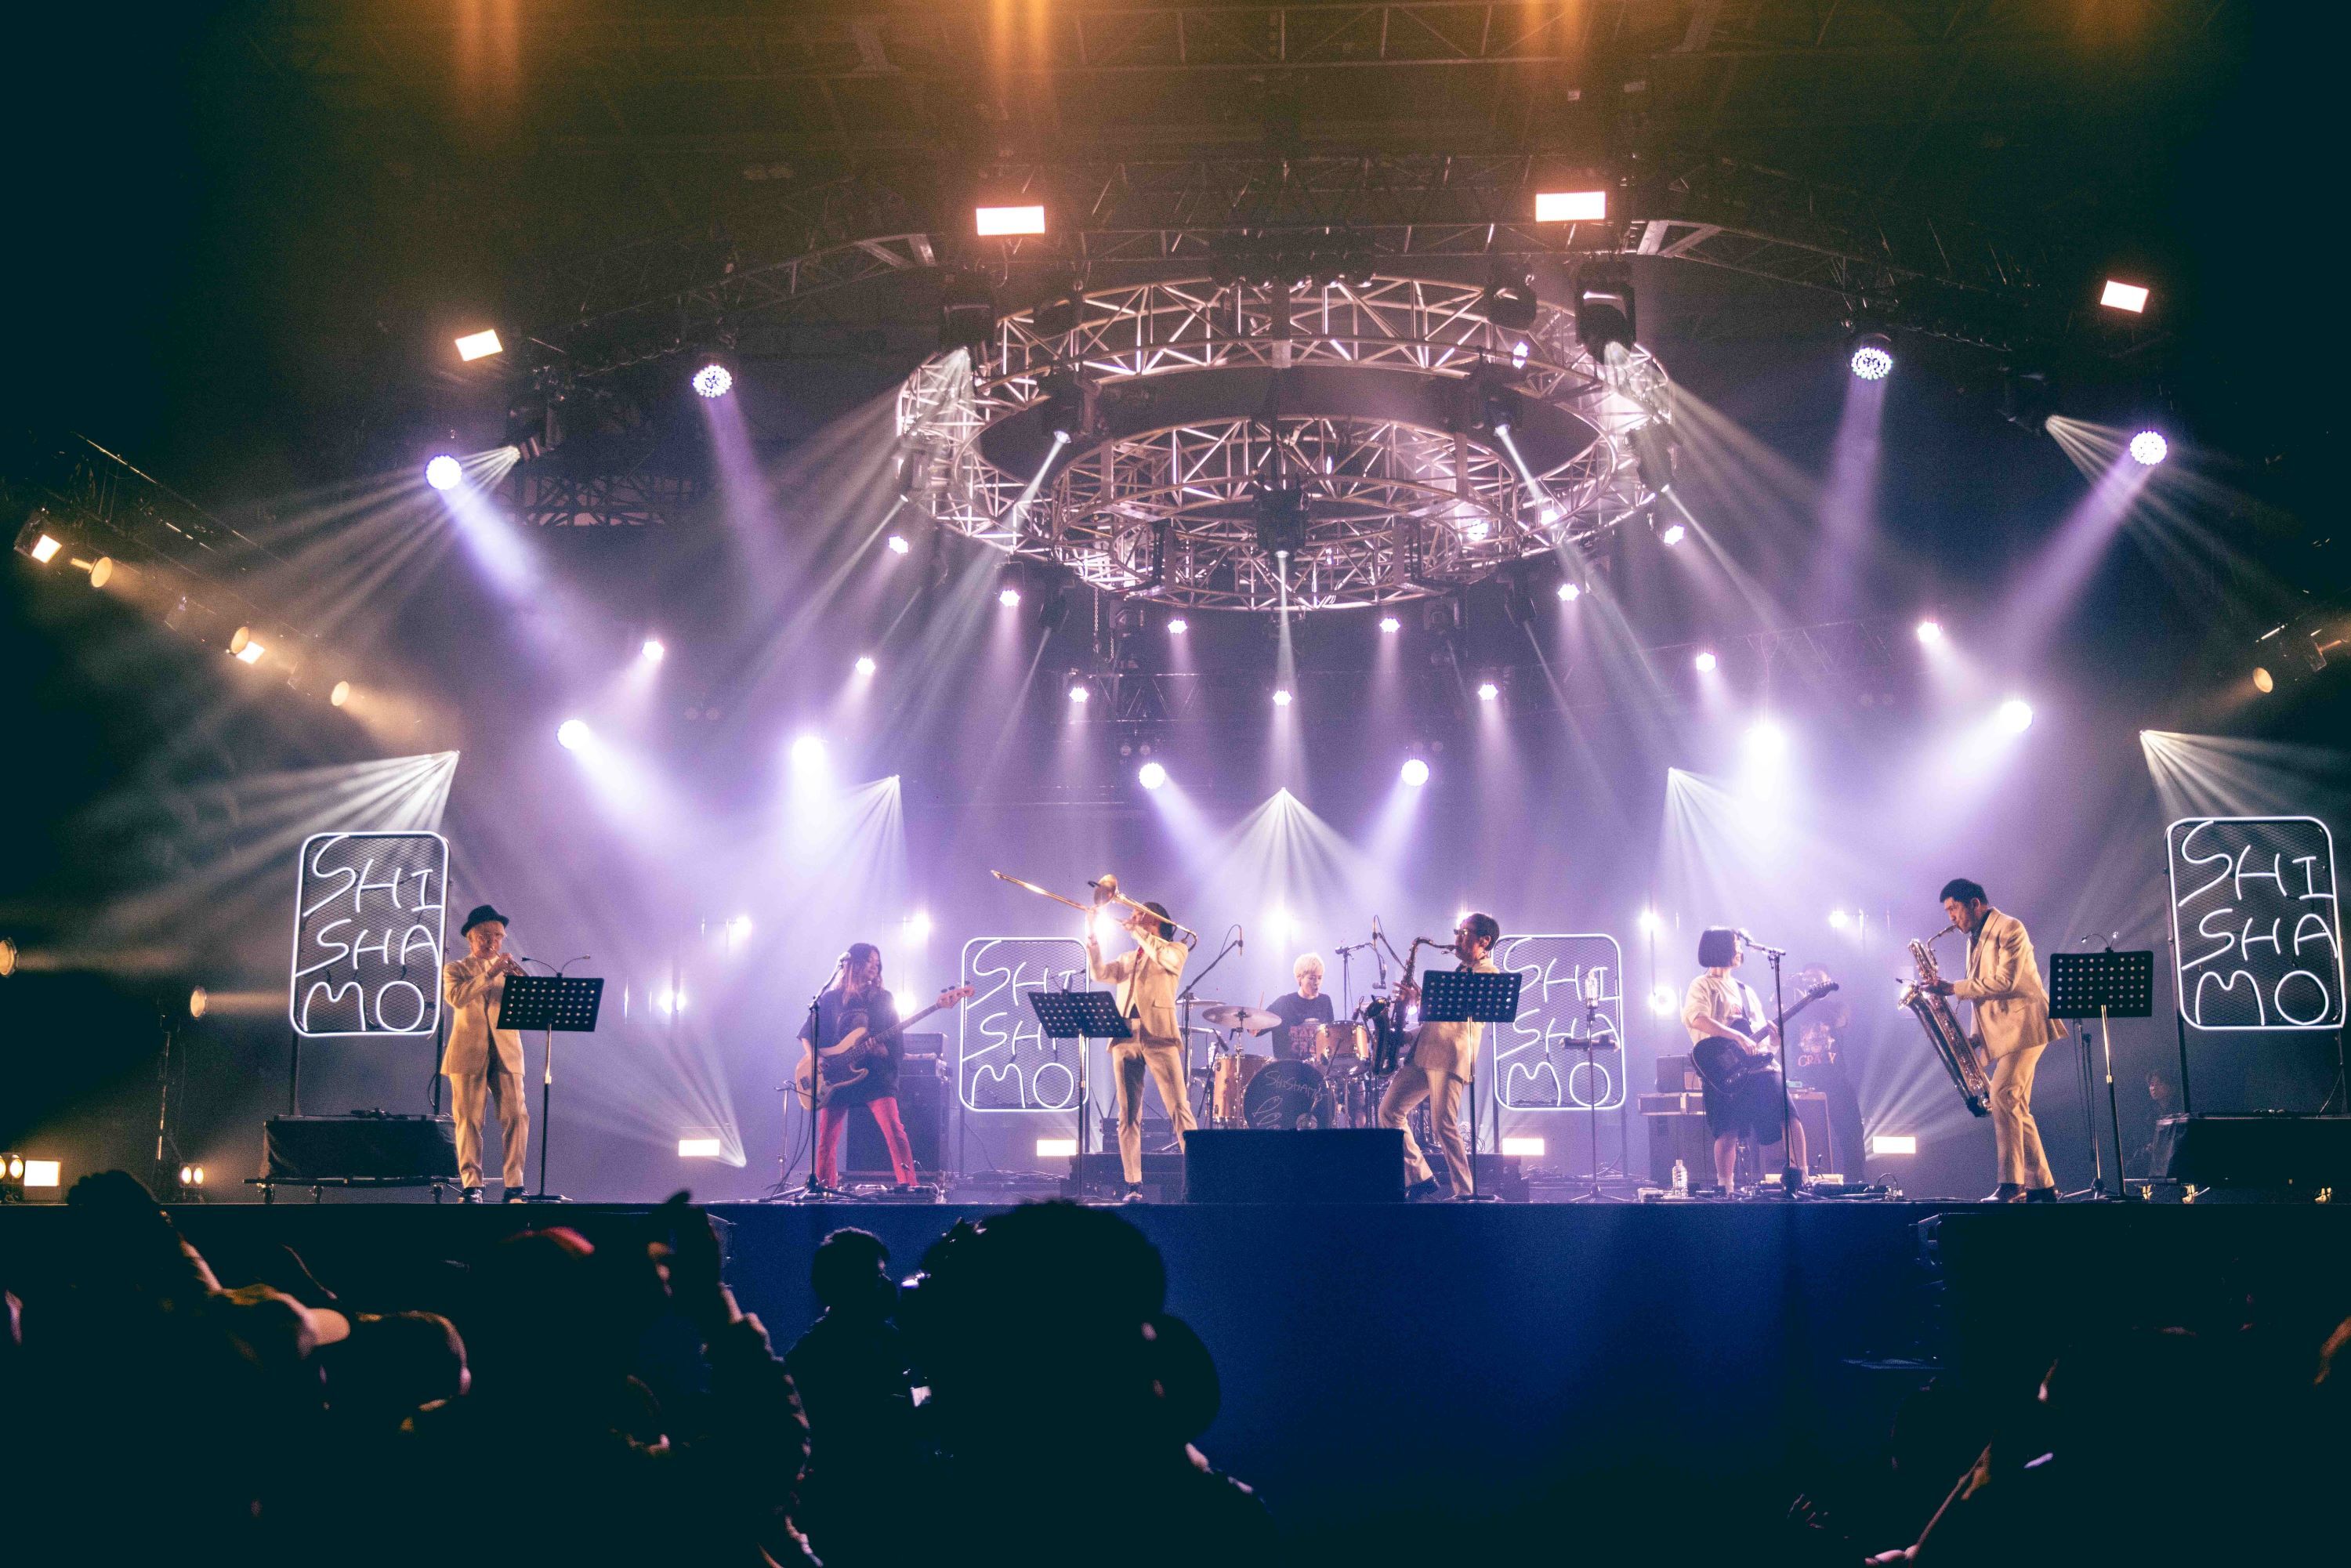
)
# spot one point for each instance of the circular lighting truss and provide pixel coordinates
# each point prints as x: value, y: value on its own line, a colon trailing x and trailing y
x: 1380, y: 405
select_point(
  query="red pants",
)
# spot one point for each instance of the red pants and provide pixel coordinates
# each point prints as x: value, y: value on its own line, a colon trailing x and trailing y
x: 830, y: 1120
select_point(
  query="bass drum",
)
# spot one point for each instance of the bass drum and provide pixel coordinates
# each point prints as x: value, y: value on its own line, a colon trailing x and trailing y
x: 1232, y: 1077
x: 1286, y: 1095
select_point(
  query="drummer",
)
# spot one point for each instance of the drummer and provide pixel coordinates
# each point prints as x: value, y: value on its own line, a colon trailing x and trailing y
x: 1306, y: 1006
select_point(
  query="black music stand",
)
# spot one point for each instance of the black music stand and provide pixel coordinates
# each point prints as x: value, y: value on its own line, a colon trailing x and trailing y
x: 2104, y: 986
x: 1082, y: 1016
x: 1469, y: 995
x: 550, y: 1002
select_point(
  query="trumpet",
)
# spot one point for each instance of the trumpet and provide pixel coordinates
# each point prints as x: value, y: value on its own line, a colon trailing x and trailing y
x: 1105, y: 892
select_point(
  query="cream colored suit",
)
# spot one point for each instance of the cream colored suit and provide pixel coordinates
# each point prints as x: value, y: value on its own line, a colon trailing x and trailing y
x: 2013, y: 1024
x: 1146, y: 980
x: 473, y: 995
x: 1444, y: 1059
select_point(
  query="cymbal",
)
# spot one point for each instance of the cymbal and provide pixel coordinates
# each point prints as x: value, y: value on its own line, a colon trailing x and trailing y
x: 1231, y: 1015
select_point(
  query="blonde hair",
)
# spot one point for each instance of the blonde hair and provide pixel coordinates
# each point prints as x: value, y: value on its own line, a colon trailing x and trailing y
x: 1308, y: 961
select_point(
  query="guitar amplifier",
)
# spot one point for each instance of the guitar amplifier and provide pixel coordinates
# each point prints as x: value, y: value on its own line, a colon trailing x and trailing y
x: 922, y: 1106
x: 367, y: 1148
x: 2259, y: 1149
x: 1678, y: 1075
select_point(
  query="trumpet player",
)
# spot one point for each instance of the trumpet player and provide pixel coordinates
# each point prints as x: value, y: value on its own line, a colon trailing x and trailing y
x: 2012, y: 1026
x: 483, y: 1061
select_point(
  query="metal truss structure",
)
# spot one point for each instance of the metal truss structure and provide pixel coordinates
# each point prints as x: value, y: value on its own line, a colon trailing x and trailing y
x: 635, y: 499
x: 1367, y: 397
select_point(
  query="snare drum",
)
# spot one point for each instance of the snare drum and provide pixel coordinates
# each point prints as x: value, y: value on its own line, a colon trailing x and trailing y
x: 1342, y: 1047
x: 1230, y: 1085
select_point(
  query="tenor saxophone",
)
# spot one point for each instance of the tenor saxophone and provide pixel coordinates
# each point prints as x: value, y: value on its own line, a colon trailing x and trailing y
x: 1934, y: 1014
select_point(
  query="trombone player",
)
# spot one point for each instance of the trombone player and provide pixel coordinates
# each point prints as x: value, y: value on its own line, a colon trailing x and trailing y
x: 1146, y: 980
x: 2013, y: 1026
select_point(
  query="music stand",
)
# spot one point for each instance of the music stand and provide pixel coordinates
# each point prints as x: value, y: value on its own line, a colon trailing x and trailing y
x: 2105, y: 985
x: 1080, y: 1016
x: 550, y: 1002
x: 1469, y: 995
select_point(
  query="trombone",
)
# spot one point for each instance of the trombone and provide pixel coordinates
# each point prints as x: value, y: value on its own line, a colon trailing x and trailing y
x: 1105, y: 892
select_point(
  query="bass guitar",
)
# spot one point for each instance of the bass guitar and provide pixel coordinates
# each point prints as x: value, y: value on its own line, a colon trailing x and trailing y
x: 1725, y: 1062
x: 821, y: 1074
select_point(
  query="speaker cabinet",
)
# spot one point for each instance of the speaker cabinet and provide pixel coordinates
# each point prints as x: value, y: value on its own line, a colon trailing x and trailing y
x: 1353, y: 1164
x: 377, y: 1149
x: 923, y: 1106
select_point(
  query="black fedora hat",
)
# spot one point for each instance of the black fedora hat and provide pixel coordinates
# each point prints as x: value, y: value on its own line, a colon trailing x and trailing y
x: 482, y: 912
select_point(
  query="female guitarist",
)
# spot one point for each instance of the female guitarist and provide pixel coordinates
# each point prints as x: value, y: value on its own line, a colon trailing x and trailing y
x: 1727, y: 1032
x: 860, y: 1014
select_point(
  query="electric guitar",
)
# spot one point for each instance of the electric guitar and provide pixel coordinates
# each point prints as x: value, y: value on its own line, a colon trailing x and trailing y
x: 1724, y: 1061
x: 821, y: 1074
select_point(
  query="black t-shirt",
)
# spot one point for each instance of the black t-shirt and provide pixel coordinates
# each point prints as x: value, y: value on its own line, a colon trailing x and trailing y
x: 1293, y: 1011
x: 837, y: 1014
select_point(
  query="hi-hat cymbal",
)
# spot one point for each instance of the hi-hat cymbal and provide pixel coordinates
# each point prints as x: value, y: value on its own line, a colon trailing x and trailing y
x: 1231, y: 1015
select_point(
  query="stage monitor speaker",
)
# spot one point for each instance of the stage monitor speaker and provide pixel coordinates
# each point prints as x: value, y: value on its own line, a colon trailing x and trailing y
x: 360, y: 1148
x: 2266, y: 1149
x: 1353, y: 1164
x: 923, y: 1106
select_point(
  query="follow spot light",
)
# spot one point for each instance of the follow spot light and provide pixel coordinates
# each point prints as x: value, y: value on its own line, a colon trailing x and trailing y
x: 1416, y: 771
x: 1873, y: 357
x: 571, y: 734
x: 443, y: 473
x: 712, y: 381
x: 2016, y: 715
x: 1151, y: 776
x: 2149, y: 448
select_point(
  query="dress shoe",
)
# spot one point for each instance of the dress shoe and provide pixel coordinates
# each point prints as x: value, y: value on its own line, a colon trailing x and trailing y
x: 469, y: 1195
x: 2006, y: 1192
x: 2041, y: 1195
x: 1422, y: 1189
x: 511, y: 1195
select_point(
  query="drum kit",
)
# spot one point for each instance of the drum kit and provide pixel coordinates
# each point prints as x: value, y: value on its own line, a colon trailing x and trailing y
x: 1321, y: 1079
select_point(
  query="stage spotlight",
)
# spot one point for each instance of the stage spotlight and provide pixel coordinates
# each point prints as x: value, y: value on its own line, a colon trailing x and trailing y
x: 669, y: 1001
x: 865, y: 664
x: 571, y: 734
x: 1648, y: 921
x: 1522, y: 1147
x: 1151, y: 776
x: 1839, y: 920
x: 1604, y: 318
x: 1571, y: 206
x: 1872, y: 356
x: 1487, y: 691
x: 1078, y: 693
x: 243, y: 647
x: 739, y: 928
x: 1766, y: 740
x: 1930, y: 631
x: 807, y: 751
x: 1520, y: 350
x: 199, y: 1001
x: 1675, y: 534
x: 1893, y: 1143
x: 1177, y: 626
x: 1704, y: 664
x: 1569, y: 593
x: 2264, y: 683
x: 1511, y: 304
x: 652, y: 653
x: 1389, y: 623
x: 192, y: 1177
x: 898, y: 545
x: 443, y: 473
x: 917, y: 926
x: 997, y: 222
x: 712, y: 381
x: 1416, y: 771
x: 100, y: 570
x: 340, y: 695
x: 1652, y: 441
x: 1057, y: 1148
x: 2016, y: 715
x: 1009, y: 598
x: 7, y: 956
x: 44, y: 549
x: 2120, y: 296
x: 479, y: 345
x: 2149, y: 448
x: 1663, y: 999
x: 1281, y: 696
x: 700, y: 1148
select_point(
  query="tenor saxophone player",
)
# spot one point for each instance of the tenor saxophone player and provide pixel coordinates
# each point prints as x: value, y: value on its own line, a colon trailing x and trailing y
x: 2013, y: 1026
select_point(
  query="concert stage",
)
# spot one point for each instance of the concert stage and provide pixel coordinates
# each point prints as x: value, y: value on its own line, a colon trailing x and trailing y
x: 1551, y: 1368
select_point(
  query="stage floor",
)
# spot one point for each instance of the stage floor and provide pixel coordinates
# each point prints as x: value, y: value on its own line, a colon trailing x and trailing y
x: 1493, y: 1351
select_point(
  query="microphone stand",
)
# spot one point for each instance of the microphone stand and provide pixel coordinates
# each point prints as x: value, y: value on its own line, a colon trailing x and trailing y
x: 1790, y: 1177
x: 1233, y: 942
x: 811, y: 1189
x: 546, y: 1091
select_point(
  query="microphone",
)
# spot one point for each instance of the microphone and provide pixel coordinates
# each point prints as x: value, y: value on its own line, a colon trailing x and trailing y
x: 1241, y: 940
x: 1762, y: 946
